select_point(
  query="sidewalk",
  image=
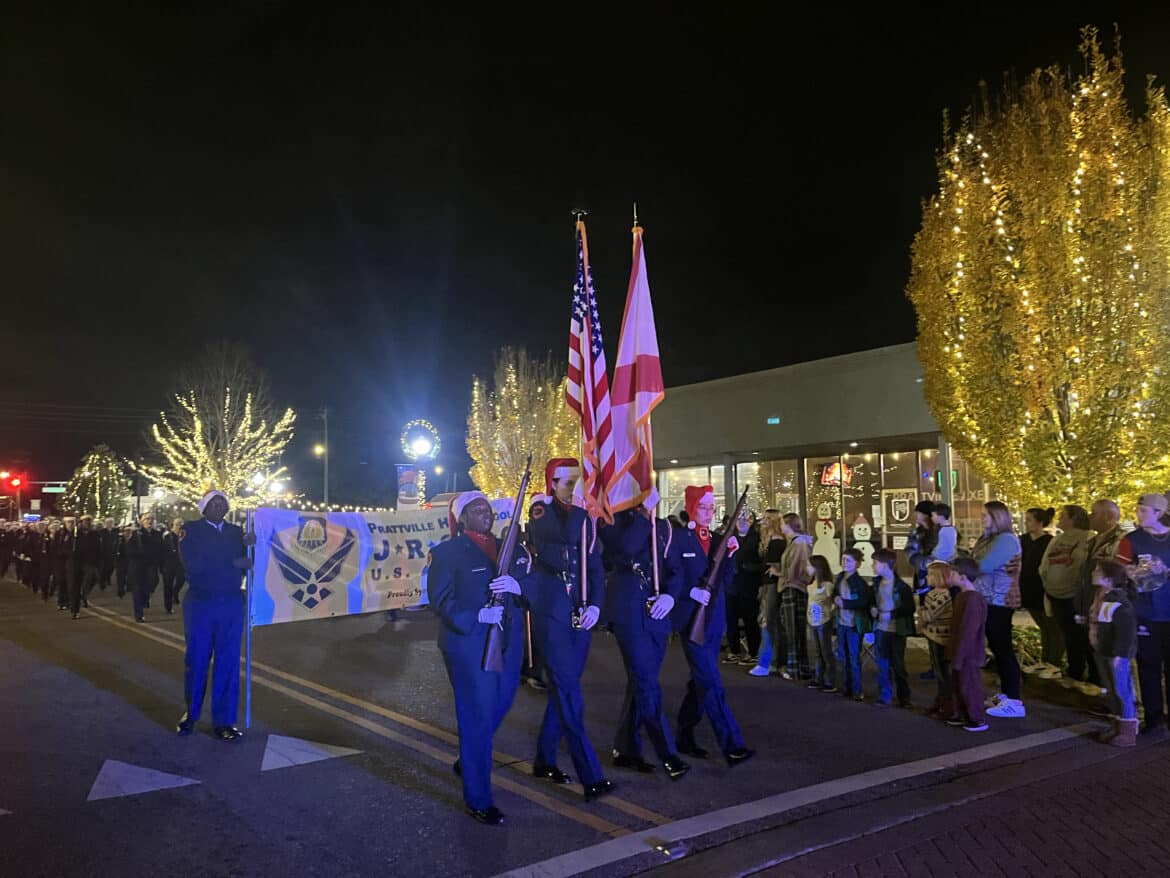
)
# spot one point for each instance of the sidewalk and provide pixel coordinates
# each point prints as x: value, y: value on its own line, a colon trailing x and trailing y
x: 1110, y: 818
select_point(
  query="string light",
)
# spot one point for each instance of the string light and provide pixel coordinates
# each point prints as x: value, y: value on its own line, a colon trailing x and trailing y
x: 1057, y: 186
x: 522, y: 411
x: 98, y: 486
x: 207, y: 444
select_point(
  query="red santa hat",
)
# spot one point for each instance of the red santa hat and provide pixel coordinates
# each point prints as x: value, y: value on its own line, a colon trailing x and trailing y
x: 560, y: 468
x: 696, y: 494
x: 458, y: 503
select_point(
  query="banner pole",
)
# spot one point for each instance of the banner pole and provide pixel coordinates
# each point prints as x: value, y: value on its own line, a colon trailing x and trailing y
x: 653, y: 512
x: 248, y: 642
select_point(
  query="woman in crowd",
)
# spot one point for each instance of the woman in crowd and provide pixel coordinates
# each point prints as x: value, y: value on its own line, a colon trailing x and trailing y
x: 1062, y: 570
x: 794, y: 580
x: 1034, y: 542
x: 997, y: 552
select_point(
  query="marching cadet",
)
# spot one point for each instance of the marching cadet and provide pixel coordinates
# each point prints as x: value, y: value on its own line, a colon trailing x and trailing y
x: 61, y: 561
x: 641, y: 622
x: 87, y: 558
x: 215, y: 555
x: 144, y: 550
x: 689, y: 550
x: 172, y: 566
x: 463, y: 589
x: 110, y: 536
x: 564, y: 612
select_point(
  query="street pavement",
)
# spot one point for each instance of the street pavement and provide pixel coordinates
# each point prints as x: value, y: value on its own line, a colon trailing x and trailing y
x: 346, y: 769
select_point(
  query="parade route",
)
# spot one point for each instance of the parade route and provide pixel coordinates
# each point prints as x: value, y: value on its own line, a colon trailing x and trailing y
x: 346, y: 769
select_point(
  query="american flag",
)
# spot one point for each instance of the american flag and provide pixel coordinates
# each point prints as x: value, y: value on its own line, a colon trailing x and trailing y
x: 587, y: 392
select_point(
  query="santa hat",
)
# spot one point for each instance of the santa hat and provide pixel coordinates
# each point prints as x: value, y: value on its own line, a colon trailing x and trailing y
x: 458, y: 503
x: 560, y: 468
x: 208, y: 497
x: 696, y: 494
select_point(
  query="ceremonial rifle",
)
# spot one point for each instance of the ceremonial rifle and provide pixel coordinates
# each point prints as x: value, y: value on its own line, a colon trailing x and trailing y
x: 710, y: 582
x: 493, y: 649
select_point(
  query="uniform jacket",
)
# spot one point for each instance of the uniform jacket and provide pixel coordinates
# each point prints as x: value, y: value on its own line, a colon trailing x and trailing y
x: 457, y: 586
x: 89, y: 548
x: 554, y: 539
x: 627, y: 558
x: 208, y: 555
x: 689, y: 563
x: 172, y: 558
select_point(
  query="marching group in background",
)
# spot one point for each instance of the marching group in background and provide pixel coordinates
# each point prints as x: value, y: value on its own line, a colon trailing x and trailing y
x: 68, y: 558
x: 1096, y: 594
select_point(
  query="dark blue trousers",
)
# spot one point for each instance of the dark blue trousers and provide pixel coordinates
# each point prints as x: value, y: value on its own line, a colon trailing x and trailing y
x: 642, y: 654
x: 482, y: 700
x: 705, y: 695
x: 213, y: 628
x: 565, y: 650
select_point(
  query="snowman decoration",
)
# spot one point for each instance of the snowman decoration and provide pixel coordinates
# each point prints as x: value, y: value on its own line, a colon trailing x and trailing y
x: 827, y: 544
x: 862, y: 533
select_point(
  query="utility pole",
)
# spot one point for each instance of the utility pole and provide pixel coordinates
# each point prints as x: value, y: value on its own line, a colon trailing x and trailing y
x: 325, y: 418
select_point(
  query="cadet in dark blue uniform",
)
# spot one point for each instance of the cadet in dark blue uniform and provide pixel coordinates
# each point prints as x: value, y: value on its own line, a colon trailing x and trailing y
x: 461, y: 582
x: 215, y: 555
x: 642, y: 635
x: 689, y: 549
x: 555, y: 531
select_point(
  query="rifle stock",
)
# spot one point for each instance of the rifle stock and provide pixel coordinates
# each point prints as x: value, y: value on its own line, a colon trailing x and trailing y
x: 698, y: 630
x: 493, y: 648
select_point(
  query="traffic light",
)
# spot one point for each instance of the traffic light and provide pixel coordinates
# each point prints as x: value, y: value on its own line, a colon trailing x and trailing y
x: 16, y: 482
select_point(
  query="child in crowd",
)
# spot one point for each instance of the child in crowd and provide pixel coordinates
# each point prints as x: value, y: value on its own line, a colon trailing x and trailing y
x: 853, y: 601
x: 947, y: 546
x: 821, y: 608
x: 1113, y: 635
x: 966, y: 651
x: 893, y: 615
x: 935, y: 619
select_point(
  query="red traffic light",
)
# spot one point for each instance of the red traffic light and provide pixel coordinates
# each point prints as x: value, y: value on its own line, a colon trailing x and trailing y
x: 15, y: 483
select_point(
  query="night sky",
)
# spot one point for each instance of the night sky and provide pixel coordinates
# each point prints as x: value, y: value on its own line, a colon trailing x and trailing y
x: 373, y: 206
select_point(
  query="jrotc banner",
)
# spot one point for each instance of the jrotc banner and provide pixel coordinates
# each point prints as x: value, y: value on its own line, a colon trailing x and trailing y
x: 313, y: 565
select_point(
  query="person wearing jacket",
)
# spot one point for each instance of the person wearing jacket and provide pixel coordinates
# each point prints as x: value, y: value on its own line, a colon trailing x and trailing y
x: 463, y: 587
x: 772, y: 547
x: 793, y: 585
x: 854, y: 598
x: 640, y: 621
x: 690, y: 551
x: 893, y: 615
x: 1113, y: 634
x: 215, y: 553
x: 997, y: 553
x: 144, y: 551
x: 172, y: 566
x: 966, y: 651
x: 743, y: 598
x: 920, y: 544
x: 1062, y: 571
x: 1033, y: 544
x: 88, y: 560
x: 1105, y: 519
x: 565, y: 608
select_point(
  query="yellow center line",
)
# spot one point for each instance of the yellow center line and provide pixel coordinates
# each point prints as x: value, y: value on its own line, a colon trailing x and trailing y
x: 563, y: 808
x: 506, y: 760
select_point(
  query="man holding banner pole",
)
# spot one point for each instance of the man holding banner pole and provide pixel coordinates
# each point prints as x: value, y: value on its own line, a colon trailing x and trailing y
x: 215, y: 555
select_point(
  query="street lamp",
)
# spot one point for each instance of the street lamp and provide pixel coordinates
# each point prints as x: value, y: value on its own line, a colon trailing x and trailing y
x: 322, y: 451
x: 319, y: 450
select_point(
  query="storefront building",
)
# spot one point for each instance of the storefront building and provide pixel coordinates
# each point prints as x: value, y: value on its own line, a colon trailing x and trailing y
x: 846, y: 442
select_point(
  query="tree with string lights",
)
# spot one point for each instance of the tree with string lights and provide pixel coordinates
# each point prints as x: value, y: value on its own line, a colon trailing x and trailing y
x: 99, y: 487
x: 521, y: 412
x: 1039, y: 278
x: 222, y: 432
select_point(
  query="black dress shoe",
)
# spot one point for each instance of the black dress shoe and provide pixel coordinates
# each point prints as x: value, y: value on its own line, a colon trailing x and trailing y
x: 596, y: 790
x: 675, y: 767
x: 228, y: 733
x: 692, y: 749
x: 185, y: 726
x: 488, y: 816
x: 739, y: 754
x: 551, y: 772
x: 637, y: 763
x: 458, y: 768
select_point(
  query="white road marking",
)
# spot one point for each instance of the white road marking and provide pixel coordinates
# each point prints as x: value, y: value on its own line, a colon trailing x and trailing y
x: 283, y: 752
x: 123, y: 779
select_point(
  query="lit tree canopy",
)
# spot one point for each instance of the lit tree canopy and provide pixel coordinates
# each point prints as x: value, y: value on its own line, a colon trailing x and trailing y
x: 99, y: 487
x: 1040, y: 280
x: 523, y: 410
x: 223, y: 434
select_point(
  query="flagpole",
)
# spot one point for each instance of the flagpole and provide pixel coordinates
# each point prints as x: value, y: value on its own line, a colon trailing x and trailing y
x: 251, y: 581
x: 586, y: 391
x: 653, y: 512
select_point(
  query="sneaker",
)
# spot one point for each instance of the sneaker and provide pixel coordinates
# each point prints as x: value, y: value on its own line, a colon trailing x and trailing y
x: 813, y: 684
x: 786, y: 675
x: 955, y: 721
x: 1008, y: 708
x: 828, y: 690
x: 974, y: 727
x: 748, y: 661
x: 993, y: 700
x: 1090, y: 689
x: 757, y: 671
x: 732, y: 658
x: 1048, y: 672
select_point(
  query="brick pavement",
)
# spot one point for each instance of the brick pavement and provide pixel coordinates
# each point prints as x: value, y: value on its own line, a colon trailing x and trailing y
x: 1112, y: 818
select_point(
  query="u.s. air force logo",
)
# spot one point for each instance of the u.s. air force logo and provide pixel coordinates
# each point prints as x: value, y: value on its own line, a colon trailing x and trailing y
x: 308, y: 565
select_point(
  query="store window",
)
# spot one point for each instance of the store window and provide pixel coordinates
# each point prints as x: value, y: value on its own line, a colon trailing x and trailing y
x: 862, y: 494
x: 774, y: 484
x: 971, y: 492
x: 824, y: 479
x: 672, y: 487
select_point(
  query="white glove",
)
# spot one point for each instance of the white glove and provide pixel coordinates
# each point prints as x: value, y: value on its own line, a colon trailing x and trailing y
x: 504, y: 585
x: 589, y: 617
x: 492, y: 616
x: 701, y: 596
x: 663, y: 604
x: 732, y: 546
